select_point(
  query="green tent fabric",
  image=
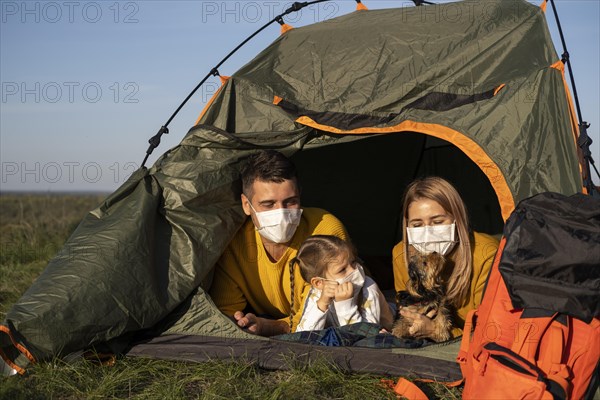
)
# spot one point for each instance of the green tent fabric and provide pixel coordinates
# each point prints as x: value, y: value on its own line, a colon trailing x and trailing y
x: 363, y: 104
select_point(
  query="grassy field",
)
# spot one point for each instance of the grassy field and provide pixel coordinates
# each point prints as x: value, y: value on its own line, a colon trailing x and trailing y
x: 34, y: 227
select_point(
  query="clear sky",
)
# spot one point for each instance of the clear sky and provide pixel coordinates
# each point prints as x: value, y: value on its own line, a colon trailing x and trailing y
x: 85, y: 84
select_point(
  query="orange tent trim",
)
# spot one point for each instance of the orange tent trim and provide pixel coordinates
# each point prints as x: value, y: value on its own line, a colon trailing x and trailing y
x: 224, y: 79
x: 285, y: 28
x: 499, y: 88
x: 466, y: 145
x: 560, y: 66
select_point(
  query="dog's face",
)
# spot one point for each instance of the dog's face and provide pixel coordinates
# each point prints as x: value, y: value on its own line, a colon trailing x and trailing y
x: 424, y: 271
x: 424, y: 295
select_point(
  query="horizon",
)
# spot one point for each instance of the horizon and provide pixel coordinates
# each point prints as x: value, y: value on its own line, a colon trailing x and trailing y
x: 86, y: 84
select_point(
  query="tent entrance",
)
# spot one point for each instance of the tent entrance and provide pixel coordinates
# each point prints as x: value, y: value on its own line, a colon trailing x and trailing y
x: 362, y: 182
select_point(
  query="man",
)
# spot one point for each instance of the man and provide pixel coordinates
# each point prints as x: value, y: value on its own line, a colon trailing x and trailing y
x: 252, y: 281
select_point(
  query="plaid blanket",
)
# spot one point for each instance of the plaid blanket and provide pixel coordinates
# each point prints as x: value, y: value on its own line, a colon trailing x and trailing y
x: 362, y: 334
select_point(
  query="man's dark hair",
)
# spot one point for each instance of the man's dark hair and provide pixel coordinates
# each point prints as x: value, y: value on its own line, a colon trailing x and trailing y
x: 267, y: 166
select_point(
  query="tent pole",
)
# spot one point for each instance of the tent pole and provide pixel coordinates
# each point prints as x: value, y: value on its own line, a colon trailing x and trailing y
x: 583, y: 141
x: 155, y: 140
x: 566, y: 60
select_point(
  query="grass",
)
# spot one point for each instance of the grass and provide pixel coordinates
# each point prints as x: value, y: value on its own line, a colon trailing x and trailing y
x: 34, y: 227
x: 153, y: 379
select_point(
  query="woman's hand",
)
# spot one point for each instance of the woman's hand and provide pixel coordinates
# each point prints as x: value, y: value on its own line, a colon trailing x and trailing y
x: 420, y: 326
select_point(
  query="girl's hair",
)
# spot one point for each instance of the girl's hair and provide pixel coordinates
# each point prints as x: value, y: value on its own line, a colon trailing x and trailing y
x: 442, y: 192
x: 314, y: 255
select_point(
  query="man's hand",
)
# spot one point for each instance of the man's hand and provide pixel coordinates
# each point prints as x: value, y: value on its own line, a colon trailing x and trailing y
x: 421, y: 326
x: 249, y: 322
x: 344, y: 291
x: 260, y: 326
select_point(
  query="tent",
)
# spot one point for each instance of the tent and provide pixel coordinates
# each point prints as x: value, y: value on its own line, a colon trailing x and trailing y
x: 363, y: 103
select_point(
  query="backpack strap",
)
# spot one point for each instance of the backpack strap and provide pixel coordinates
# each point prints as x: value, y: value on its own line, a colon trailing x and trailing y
x: 528, y: 334
x: 14, y: 354
x: 551, y: 357
x: 557, y: 335
x: 544, y: 338
x: 533, y: 327
x: 407, y: 389
x: 467, y: 338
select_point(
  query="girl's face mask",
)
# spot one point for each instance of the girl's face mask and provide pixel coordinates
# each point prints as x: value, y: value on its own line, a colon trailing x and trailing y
x: 356, y: 277
x: 278, y: 225
x: 434, y: 238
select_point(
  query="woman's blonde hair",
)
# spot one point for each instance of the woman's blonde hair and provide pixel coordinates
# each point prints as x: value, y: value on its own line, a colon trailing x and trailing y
x: 313, y: 256
x: 442, y: 192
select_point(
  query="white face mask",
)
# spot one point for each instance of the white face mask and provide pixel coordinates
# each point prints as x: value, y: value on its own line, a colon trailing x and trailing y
x: 435, y: 238
x: 278, y: 225
x: 356, y: 277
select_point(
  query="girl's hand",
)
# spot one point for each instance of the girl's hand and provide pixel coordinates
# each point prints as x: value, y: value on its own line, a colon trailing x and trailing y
x: 327, y: 294
x: 344, y: 291
x: 421, y: 326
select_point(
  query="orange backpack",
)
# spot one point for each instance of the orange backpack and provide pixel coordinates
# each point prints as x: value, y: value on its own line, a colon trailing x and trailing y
x: 536, y: 334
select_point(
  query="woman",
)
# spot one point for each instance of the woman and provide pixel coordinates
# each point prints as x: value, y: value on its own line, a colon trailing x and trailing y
x: 435, y: 219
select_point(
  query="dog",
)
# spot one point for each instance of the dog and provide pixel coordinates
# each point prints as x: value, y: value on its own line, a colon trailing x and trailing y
x: 425, y: 294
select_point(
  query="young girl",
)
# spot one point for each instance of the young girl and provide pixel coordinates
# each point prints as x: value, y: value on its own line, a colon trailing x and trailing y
x: 340, y: 292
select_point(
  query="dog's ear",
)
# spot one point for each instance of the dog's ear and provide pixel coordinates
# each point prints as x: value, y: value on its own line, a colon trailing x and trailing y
x: 414, y: 275
x: 432, y: 266
x: 437, y: 262
x: 435, y: 266
x: 413, y: 270
x: 417, y: 266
